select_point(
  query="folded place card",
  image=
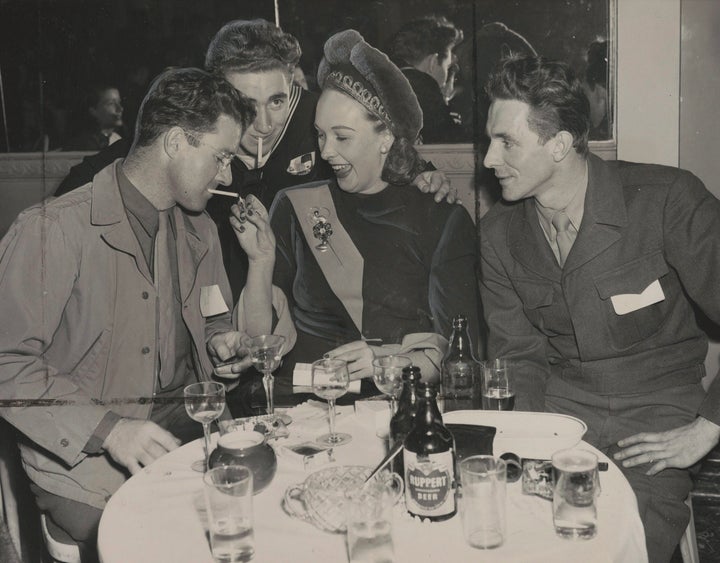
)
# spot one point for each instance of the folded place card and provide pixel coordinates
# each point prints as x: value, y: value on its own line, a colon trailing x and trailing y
x: 629, y: 302
x: 211, y: 301
x: 378, y: 410
x: 302, y: 377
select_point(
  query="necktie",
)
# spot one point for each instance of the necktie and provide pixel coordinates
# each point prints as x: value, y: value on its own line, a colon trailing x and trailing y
x: 164, y: 287
x: 565, y: 236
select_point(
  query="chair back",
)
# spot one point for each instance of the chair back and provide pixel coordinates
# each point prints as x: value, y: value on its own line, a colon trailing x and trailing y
x: 17, y: 505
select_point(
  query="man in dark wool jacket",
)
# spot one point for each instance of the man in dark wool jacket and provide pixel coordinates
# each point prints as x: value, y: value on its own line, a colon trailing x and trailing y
x: 590, y: 270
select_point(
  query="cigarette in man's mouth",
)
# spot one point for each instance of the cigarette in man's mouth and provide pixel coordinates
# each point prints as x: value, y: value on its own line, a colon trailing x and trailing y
x: 223, y: 192
x: 259, y: 151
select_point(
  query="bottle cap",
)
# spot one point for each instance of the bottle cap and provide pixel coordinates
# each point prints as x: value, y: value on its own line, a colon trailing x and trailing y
x: 427, y: 389
x: 459, y: 321
x: 411, y: 373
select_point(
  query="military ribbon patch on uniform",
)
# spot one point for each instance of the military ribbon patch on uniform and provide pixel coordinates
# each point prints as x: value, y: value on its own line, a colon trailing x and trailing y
x: 301, y: 165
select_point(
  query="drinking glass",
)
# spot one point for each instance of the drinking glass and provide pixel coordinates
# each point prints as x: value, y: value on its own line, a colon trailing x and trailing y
x: 577, y: 485
x: 482, y: 506
x: 369, y: 520
x: 229, y: 502
x: 498, y: 389
x: 330, y: 380
x: 204, y: 402
x: 388, y: 376
x: 266, y: 352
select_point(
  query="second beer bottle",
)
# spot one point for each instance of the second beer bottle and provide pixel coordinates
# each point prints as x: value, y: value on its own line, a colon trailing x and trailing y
x: 429, y: 459
x: 461, y: 372
x: 404, y: 419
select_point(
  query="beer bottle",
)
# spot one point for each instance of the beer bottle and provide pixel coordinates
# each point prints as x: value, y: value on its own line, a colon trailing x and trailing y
x: 403, y: 420
x: 460, y: 371
x: 429, y: 458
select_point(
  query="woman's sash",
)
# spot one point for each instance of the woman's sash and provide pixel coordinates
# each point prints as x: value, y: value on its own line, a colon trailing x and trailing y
x: 341, y: 263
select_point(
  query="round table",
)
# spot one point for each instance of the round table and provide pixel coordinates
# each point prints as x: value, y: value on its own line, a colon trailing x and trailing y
x: 158, y: 514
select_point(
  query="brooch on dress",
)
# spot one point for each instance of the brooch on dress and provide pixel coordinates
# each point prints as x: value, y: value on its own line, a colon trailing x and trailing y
x: 322, y: 229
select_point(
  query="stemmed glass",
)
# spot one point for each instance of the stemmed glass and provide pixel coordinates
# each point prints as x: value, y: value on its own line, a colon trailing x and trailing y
x: 387, y: 373
x: 330, y: 380
x: 266, y: 353
x: 204, y: 402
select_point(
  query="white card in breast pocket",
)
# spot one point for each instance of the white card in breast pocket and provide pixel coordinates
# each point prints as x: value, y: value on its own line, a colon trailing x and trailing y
x: 211, y: 301
x: 629, y: 302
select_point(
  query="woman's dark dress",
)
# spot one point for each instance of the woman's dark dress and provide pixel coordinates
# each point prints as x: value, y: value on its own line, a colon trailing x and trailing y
x: 419, y: 271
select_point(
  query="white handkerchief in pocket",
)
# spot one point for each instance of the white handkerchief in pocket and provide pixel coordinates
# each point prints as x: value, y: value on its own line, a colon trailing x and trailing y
x: 629, y: 302
x: 211, y: 301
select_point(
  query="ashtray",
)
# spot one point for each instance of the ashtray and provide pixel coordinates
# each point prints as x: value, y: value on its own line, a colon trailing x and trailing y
x: 308, y: 455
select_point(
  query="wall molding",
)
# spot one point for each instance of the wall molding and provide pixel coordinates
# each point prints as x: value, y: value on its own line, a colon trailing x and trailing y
x: 453, y: 159
x: 37, y: 165
x: 28, y: 177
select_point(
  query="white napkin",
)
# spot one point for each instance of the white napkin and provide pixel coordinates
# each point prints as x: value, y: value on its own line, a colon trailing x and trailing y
x: 302, y: 377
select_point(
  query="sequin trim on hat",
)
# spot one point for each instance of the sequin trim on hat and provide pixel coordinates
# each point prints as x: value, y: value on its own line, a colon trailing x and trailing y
x: 358, y: 91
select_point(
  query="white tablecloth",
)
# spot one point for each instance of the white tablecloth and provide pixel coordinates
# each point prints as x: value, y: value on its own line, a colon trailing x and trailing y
x: 158, y: 515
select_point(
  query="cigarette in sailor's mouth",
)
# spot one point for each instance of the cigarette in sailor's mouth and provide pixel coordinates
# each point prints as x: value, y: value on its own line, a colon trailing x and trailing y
x: 223, y: 192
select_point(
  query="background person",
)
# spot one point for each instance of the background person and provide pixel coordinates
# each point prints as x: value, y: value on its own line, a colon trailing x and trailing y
x: 596, y: 89
x: 423, y: 49
x: 130, y: 305
x: 494, y: 42
x: 370, y: 264
x: 100, y: 120
x: 589, y: 275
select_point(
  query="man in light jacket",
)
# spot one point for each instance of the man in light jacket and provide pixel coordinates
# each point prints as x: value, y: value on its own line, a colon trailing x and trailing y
x: 114, y: 297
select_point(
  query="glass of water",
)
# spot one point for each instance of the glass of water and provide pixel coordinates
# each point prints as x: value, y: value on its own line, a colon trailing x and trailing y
x: 498, y: 388
x: 228, y: 498
x: 369, y: 519
x: 576, y: 486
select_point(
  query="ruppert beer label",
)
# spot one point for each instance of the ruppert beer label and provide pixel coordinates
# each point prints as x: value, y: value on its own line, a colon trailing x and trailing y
x: 429, y: 483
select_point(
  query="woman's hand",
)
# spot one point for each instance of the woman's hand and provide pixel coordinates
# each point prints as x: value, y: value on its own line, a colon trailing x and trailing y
x: 359, y: 356
x: 436, y: 182
x: 249, y: 220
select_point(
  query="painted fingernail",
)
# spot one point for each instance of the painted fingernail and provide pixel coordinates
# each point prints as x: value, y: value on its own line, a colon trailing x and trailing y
x: 241, y: 229
x: 250, y: 211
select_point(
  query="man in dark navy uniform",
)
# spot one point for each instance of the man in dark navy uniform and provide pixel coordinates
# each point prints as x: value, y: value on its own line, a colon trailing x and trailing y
x: 258, y: 58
